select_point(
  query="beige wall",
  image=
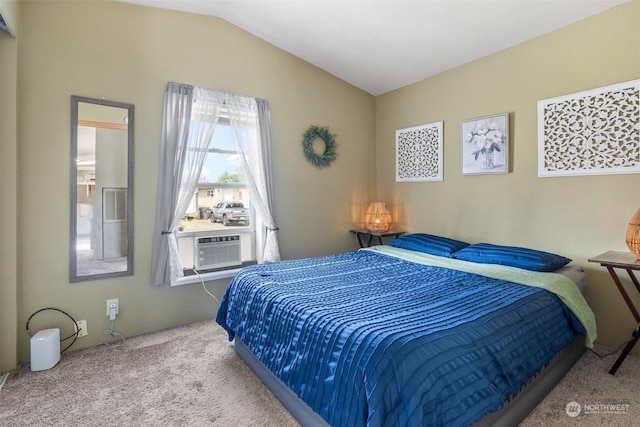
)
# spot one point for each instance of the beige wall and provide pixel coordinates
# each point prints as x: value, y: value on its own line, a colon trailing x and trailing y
x: 8, y: 186
x: 576, y: 216
x: 128, y: 53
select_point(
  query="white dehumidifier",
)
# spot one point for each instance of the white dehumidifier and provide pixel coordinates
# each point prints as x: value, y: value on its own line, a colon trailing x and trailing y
x: 45, y: 349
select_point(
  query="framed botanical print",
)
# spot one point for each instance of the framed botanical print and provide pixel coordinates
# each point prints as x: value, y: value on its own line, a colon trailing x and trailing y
x: 485, y: 145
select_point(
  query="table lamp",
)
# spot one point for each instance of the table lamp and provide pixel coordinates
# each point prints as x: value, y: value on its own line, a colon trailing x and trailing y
x: 377, y: 218
x: 633, y: 235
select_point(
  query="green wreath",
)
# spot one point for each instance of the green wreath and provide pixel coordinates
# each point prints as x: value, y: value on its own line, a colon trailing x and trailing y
x: 330, y: 146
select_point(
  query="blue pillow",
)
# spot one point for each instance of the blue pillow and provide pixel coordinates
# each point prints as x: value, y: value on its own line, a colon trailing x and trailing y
x: 528, y: 259
x: 430, y: 244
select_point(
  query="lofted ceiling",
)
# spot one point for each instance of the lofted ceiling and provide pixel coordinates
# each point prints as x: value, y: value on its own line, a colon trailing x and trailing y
x: 382, y: 45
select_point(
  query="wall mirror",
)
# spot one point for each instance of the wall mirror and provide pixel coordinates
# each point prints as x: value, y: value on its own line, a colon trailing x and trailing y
x: 101, y: 234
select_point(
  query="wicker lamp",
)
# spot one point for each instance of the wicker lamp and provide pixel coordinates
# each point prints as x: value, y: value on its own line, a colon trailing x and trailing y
x: 377, y: 218
x: 633, y: 235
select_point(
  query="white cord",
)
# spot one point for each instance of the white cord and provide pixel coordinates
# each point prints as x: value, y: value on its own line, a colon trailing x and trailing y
x: 205, y: 288
x: 113, y: 332
x: 4, y: 378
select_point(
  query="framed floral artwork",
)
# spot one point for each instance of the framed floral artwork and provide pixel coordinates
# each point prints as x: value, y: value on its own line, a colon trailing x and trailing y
x: 485, y: 145
x: 419, y: 153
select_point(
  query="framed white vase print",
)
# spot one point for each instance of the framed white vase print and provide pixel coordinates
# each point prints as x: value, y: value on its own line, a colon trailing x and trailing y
x: 485, y: 145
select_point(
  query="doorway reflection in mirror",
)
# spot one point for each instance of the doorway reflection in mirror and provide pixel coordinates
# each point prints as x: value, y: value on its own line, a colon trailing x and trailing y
x: 101, y: 229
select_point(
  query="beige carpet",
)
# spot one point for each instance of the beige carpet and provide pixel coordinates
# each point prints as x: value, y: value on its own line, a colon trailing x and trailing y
x: 190, y: 376
x: 605, y: 400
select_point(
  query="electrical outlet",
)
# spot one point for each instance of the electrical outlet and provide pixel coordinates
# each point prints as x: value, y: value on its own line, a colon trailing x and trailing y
x: 112, y: 301
x: 82, y: 324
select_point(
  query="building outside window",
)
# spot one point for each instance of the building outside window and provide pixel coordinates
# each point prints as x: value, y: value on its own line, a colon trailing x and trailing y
x: 211, y: 139
x: 221, y: 180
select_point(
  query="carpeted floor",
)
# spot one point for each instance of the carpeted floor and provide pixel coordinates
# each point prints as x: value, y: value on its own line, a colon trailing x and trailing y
x: 190, y: 376
x: 603, y: 399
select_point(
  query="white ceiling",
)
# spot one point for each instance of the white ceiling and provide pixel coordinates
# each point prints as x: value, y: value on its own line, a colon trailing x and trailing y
x: 382, y: 45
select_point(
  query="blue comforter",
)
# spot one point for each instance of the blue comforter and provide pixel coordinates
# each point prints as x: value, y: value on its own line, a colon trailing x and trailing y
x: 367, y: 339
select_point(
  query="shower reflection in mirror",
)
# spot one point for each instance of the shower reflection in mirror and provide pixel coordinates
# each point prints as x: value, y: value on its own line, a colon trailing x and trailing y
x: 101, y: 189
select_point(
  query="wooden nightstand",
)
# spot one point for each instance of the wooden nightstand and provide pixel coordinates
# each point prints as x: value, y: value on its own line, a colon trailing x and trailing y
x: 359, y: 232
x: 624, y: 261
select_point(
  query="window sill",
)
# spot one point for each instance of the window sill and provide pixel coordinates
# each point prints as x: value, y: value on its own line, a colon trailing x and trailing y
x: 214, y: 275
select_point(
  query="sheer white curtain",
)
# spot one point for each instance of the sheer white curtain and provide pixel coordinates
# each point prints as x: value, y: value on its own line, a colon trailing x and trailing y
x: 243, y: 113
x: 268, y: 235
x: 189, y: 119
x: 188, y: 122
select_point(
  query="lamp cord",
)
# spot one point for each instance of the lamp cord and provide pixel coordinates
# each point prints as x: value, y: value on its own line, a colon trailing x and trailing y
x: 634, y: 334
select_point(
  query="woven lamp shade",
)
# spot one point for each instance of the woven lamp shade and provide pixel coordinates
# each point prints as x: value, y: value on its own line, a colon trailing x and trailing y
x: 633, y: 235
x: 377, y: 218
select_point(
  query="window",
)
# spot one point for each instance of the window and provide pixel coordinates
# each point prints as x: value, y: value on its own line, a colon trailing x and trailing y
x: 192, y: 116
x: 219, y: 210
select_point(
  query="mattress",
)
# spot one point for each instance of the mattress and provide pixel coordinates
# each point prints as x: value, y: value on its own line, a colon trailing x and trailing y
x: 367, y: 338
x: 576, y: 275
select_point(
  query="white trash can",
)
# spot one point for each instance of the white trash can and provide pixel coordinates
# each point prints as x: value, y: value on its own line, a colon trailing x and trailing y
x: 45, y: 349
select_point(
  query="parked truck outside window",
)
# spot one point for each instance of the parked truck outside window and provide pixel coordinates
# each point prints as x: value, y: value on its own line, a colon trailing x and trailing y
x: 230, y: 212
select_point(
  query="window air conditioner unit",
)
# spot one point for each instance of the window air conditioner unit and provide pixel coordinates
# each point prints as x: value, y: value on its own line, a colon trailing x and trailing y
x: 217, y: 251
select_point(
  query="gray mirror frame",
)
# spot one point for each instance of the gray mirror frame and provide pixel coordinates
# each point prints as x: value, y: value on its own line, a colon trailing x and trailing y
x: 73, y: 259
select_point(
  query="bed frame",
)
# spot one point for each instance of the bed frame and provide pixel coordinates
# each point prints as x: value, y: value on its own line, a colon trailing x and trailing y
x: 513, y: 411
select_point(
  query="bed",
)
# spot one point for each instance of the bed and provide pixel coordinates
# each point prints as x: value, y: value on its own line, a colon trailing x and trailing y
x: 426, y: 331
